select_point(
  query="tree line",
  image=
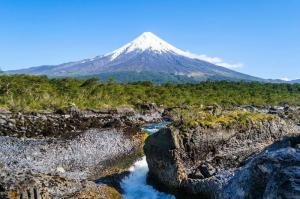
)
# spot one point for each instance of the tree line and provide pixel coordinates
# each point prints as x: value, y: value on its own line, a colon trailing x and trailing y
x: 28, y: 93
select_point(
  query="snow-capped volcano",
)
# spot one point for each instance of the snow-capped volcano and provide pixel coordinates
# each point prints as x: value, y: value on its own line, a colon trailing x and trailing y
x: 147, y: 53
x: 148, y: 42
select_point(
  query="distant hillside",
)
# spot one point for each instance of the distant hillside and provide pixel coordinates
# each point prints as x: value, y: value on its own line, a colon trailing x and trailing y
x: 296, y: 81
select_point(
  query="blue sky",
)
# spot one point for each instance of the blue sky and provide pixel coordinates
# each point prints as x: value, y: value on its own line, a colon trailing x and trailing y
x: 263, y: 35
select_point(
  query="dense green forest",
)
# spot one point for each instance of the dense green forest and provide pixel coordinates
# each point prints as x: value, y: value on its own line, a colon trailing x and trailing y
x: 26, y: 93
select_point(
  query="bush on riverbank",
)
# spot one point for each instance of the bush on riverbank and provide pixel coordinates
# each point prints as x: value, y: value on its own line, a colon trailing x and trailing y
x: 31, y: 93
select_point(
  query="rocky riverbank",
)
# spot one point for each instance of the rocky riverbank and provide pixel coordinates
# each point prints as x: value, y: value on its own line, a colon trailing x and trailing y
x: 208, y: 151
x: 60, y: 154
x: 227, y: 155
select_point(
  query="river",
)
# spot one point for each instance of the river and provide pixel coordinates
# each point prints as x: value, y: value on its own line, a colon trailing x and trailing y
x: 135, y: 185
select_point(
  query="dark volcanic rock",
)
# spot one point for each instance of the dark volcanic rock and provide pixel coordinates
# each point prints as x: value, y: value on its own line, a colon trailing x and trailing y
x: 68, y: 123
x: 207, y: 161
x: 43, y: 186
x: 89, y: 155
x: 273, y: 173
x: 57, y: 155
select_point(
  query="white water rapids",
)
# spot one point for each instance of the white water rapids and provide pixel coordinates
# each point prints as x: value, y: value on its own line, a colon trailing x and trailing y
x: 135, y: 185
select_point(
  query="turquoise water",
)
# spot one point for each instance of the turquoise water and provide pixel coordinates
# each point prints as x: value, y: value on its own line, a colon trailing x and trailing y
x: 134, y: 185
x: 154, y: 127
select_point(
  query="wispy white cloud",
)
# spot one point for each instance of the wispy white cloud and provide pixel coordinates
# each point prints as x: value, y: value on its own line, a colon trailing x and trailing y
x: 227, y: 65
x: 215, y: 60
x: 285, y: 79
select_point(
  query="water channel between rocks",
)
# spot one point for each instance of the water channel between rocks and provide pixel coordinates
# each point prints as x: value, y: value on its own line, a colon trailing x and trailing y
x: 135, y: 185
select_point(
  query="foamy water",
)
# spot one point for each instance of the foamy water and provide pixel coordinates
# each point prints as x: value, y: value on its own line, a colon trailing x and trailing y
x: 135, y: 185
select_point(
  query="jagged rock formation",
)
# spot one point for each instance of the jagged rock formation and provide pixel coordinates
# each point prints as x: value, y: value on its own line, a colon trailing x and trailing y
x: 219, y: 162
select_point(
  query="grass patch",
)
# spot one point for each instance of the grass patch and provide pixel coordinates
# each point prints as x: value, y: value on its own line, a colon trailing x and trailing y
x: 193, y: 117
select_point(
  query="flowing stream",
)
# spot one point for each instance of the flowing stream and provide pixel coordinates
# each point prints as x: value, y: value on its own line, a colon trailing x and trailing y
x: 135, y: 185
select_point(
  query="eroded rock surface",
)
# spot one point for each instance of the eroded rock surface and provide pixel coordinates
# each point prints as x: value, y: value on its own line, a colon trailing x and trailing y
x: 79, y: 158
x: 42, y: 186
x: 220, y: 162
x: 59, y: 155
x: 273, y: 173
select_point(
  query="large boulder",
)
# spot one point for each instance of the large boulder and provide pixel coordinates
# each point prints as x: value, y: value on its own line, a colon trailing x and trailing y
x: 271, y: 174
x: 204, y: 161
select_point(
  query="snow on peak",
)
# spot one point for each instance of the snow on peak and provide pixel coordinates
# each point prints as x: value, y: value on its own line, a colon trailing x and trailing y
x: 147, y: 41
x: 151, y: 42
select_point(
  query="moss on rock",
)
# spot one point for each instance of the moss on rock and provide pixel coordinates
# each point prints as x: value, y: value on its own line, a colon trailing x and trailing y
x: 197, y: 116
x: 102, y: 192
x: 121, y: 164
